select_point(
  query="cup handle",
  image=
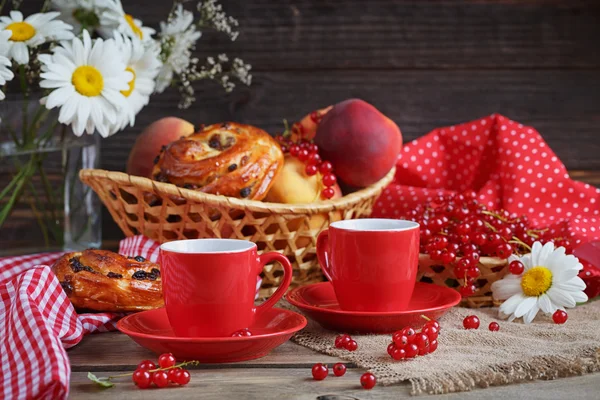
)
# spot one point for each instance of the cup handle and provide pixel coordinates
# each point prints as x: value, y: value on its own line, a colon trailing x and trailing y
x: 323, y: 253
x: 266, y: 258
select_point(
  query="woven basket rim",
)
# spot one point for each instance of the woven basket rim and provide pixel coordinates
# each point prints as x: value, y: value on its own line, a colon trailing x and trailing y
x: 169, y: 189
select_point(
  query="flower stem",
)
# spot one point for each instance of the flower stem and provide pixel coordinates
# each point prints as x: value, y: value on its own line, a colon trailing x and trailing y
x: 183, y: 364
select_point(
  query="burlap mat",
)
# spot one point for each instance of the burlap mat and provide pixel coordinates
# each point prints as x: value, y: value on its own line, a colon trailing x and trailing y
x: 466, y: 359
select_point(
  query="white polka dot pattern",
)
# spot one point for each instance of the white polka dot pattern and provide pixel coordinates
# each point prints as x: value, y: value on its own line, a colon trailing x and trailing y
x: 509, y: 166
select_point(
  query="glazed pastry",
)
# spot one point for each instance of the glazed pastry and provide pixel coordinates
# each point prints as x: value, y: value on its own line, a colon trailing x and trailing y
x: 227, y: 159
x: 101, y: 280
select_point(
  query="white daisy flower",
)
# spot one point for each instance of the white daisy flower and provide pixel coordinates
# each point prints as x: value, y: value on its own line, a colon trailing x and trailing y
x: 113, y: 18
x: 144, y: 63
x: 80, y: 13
x: 31, y: 32
x: 548, y: 283
x: 6, y: 73
x: 86, y: 78
x: 178, y: 38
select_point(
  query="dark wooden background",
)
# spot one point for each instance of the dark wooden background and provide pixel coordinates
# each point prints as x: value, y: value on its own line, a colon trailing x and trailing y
x: 423, y: 63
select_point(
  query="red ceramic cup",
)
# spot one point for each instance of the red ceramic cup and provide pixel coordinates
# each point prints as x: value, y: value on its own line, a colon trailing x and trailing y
x: 209, y: 285
x: 372, y: 263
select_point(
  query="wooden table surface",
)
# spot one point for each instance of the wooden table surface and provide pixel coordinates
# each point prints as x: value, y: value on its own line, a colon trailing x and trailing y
x: 284, y: 374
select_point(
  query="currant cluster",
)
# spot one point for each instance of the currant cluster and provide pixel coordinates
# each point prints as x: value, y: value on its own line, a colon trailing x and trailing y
x: 345, y: 342
x: 457, y: 230
x: 308, y: 152
x: 147, y: 373
x: 408, y: 343
x: 320, y: 372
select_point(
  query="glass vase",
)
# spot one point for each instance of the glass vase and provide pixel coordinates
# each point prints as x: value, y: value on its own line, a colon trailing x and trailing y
x: 43, y: 204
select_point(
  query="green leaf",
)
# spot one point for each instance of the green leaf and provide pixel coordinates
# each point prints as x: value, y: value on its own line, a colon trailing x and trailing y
x: 100, y: 381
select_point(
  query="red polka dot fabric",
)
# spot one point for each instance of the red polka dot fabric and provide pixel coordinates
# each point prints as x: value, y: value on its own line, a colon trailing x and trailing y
x: 508, y: 164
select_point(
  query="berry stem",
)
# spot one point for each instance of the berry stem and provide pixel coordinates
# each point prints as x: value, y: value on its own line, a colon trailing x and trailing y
x: 426, y: 318
x: 493, y: 214
x: 183, y: 364
x: 518, y: 241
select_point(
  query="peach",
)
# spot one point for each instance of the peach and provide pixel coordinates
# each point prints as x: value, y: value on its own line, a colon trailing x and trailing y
x: 360, y: 142
x: 148, y: 144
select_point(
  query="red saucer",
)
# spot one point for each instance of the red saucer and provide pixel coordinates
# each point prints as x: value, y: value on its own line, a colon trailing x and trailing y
x: 318, y: 301
x: 151, y: 329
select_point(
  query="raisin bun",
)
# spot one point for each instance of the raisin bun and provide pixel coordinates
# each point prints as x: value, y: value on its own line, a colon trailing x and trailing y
x: 101, y: 280
x: 227, y: 159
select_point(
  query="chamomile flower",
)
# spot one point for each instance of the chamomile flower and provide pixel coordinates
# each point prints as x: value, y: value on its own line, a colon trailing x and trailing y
x: 6, y: 73
x: 144, y: 63
x: 31, y: 32
x: 86, y: 78
x: 114, y: 18
x: 80, y: 13
x: 548, y: 283
x: 178, y: 37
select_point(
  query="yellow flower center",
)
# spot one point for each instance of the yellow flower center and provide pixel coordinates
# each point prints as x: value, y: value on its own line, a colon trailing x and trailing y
x: 21, y: 31
x: 136, y: 29
x: 127, y: 92
x: 88, y: 81
x: 536, y: 281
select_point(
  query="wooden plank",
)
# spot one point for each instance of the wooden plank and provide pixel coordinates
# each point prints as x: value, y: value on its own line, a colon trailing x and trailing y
x: 115, y: 351
x: 562, y: 105
x: 356, y: 34
x: 296, y: 383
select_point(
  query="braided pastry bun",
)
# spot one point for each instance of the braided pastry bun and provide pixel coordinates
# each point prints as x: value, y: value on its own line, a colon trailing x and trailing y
x: 101, y: 280
x: 227, y: 159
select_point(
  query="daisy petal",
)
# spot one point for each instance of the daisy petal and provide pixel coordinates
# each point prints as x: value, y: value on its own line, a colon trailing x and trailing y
x: 531, y: 314
x: 564, y: 275
x: 510, y: 305
x: 525, y: 306
x: 505, y: 288
x: 546, y: 252
x: 572, y: 285
x: 579, y: 297
x: 545, y: 304
x: 536, y: 248
x: 561, y: 298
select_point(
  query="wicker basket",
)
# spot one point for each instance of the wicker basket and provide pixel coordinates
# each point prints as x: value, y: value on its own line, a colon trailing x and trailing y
x: 492, y: 269
x: 186, y: 214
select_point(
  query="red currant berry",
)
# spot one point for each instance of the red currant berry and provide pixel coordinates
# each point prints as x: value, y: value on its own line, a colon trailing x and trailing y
x: 453, y: 247
x: 468, y: 248
x: 434, y: 324
x: 329, y: 180
x: 303, y: 155
x: 398, y: 354
x: 504, y: 250
x: 325, y: 167
x: 311, y: 170
x: 314, y: 159
x: 435, y: 224
x: 463, y: 229
x: 183, y: 377
x: 411, y: 350
x: 368, y: 380
x: 473, y: 272
x: 294, y: 150
x: 146, y: 365
x: 435, y: 255
x: 408, y: 332
x: 391, y: 348
x: 505, y: 232
x: 319, y: 372
x: 342, y: 341
x: 516, y: 267
x: 422, y: 340
x: 166, y: 360
x: 431, y: 332
x: 352, y: 345
x: 471, y: 322
x: 339, y: 369
x: 479, y: 238
x: 142, y: 378
x: 160, y: 379
x: 559, y: 317
x: 315, y: 117
x: 460, y: 271
x: 439, y: 242
x: 468, y: 290
x: 473, y: 257
x: 172, y: 374
x: 448, y: 257
x: 313, y: 148
x: 328, y: 193
x: 494, y: 327
x: 399, y: 339
x: 433, y: 345
x: 284, y: 148
x: 424, y: 351
x: 494, y: 239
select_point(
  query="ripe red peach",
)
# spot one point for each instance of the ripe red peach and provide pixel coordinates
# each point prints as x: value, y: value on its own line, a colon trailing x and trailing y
x: 148, y: 143
x: 360, y: 142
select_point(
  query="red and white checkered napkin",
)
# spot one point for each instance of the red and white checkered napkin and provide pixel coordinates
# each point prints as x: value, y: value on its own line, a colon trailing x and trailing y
x: 38, y: 322
x: 509, y: 165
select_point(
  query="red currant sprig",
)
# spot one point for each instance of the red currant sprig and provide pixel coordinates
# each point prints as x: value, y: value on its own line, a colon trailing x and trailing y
x: 408, y: 343
x: 345, y: 342
x: 457, y: 231
x: 308, y: 152
x: 147, y: 373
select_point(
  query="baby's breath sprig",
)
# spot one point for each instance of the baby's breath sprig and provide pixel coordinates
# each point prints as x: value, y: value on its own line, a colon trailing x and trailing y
x: 213, y: 16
